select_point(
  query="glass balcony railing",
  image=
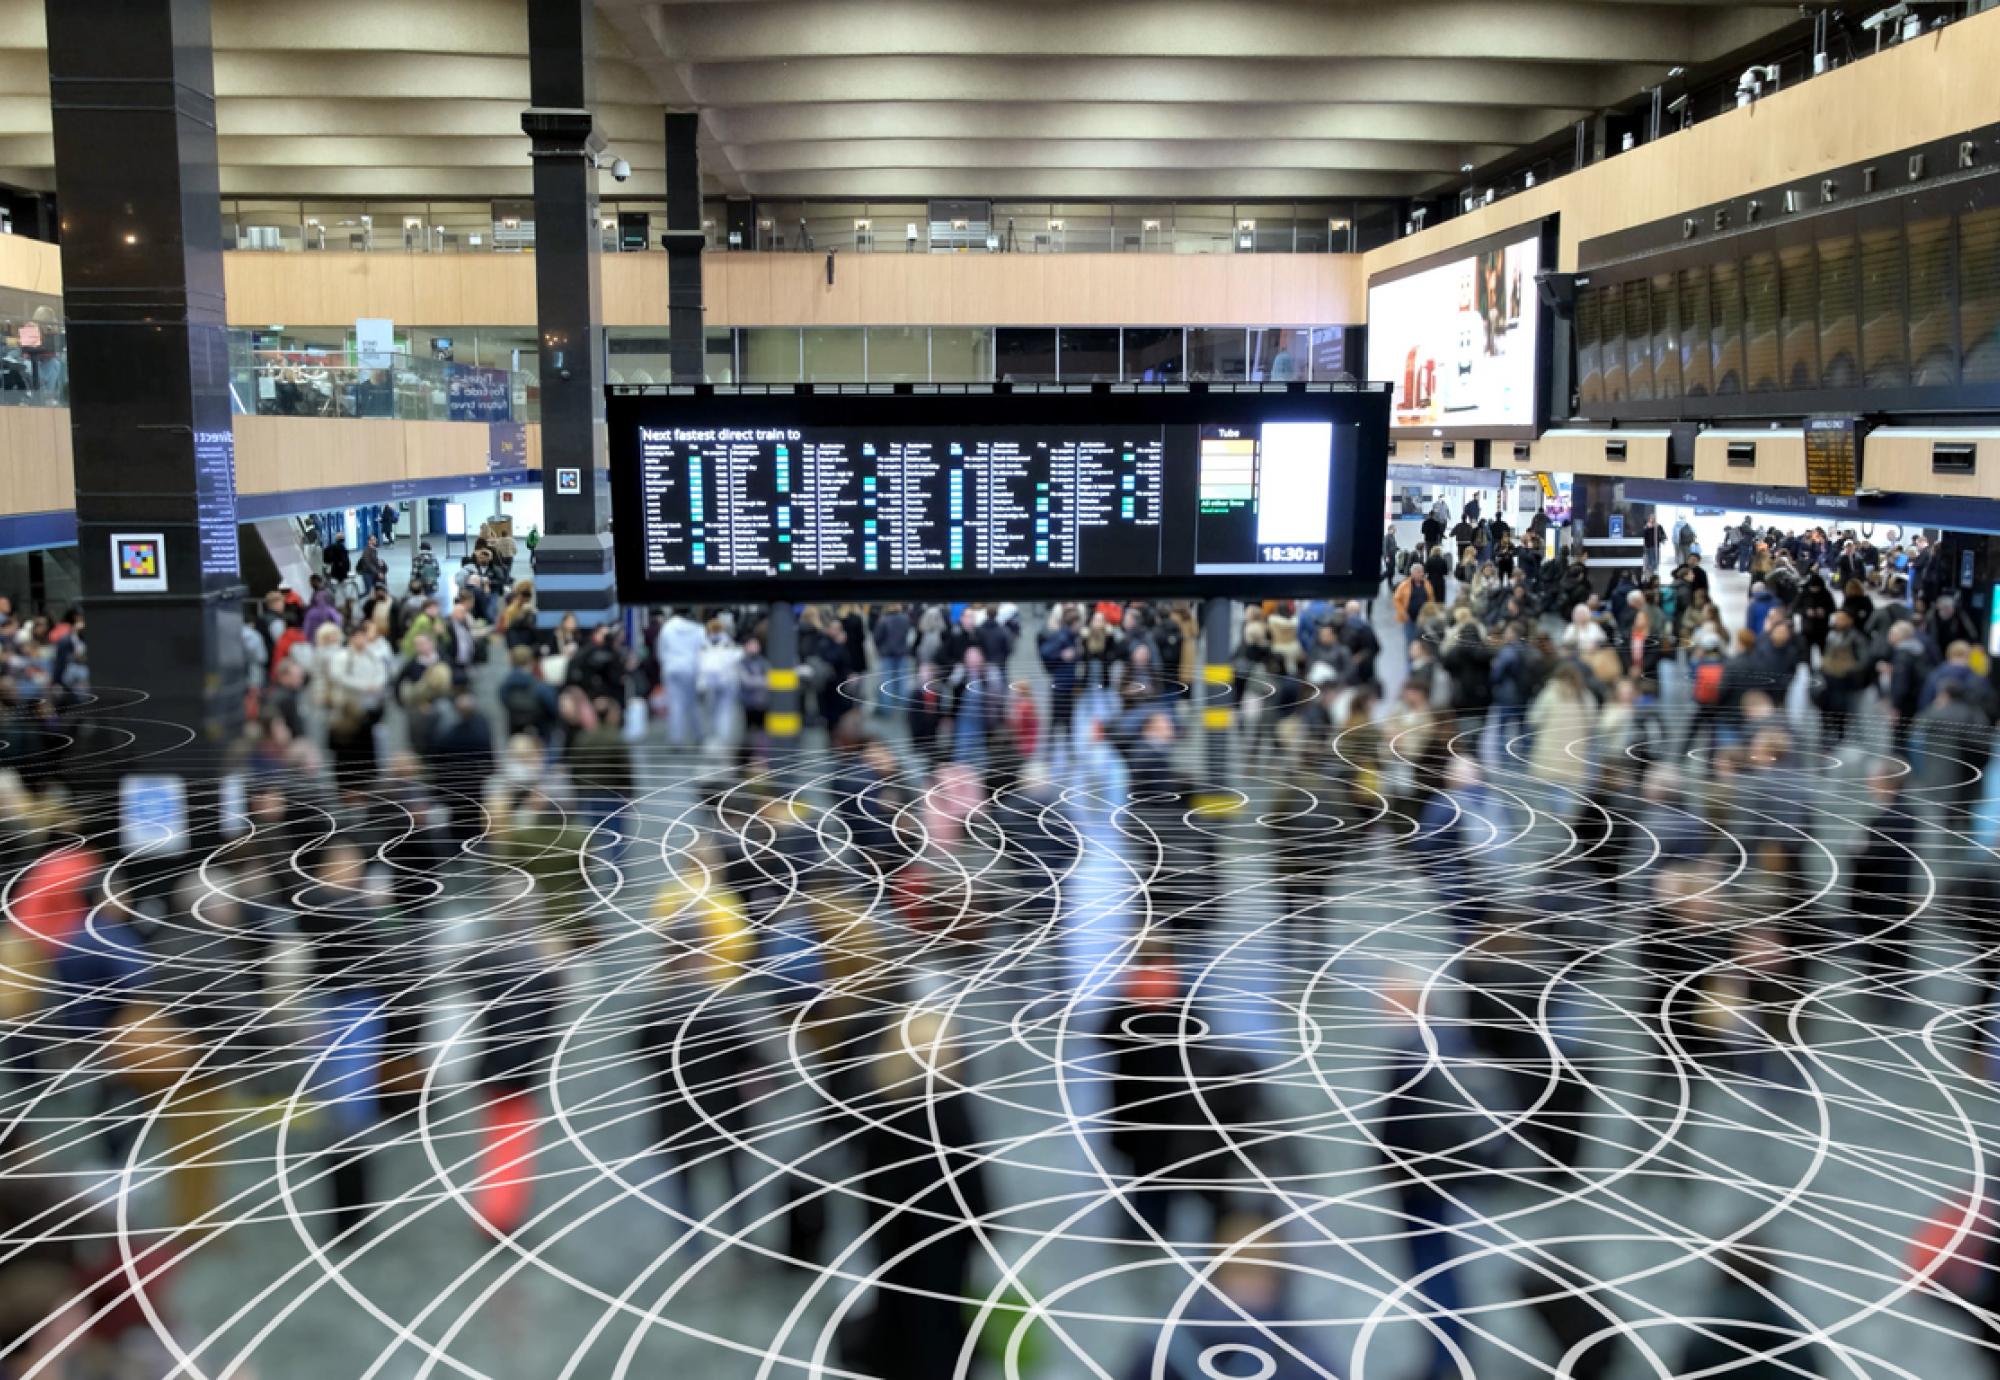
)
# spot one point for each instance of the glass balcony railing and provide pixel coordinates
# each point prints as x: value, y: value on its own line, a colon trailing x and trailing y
x: 26, y: 396
x: 33, y: 378
x: 858, y: 227
x: 291, y: 383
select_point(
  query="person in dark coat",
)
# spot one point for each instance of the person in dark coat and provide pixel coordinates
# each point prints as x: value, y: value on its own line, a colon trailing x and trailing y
x: 1437, y: 566
x: 338, y: 559
x: 1884, y: 880
x: 1153, y: 1105
x: 922, y: 1184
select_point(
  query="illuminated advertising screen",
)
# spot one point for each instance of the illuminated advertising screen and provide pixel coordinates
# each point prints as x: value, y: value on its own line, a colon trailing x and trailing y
x: 878, y: 495
x: 1460, y: 339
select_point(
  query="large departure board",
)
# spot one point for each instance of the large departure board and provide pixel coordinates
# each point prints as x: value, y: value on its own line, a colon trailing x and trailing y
x: 857, y: 494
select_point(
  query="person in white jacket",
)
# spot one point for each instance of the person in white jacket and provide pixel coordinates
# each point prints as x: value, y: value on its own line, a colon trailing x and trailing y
x: 680, y: 644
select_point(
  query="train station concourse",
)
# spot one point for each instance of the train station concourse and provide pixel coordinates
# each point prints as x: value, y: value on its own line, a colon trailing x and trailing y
x: 900, y: 690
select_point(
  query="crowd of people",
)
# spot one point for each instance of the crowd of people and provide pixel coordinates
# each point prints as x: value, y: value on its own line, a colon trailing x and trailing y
x: 394, y: 738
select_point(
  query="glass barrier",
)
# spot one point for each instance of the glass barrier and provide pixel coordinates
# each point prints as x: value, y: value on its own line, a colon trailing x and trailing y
x: 1012, y: 227
x: 301, y: 383
x: 40, y: 382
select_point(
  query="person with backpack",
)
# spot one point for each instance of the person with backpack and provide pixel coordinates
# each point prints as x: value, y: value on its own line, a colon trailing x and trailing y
x: 1410, y: 597
x: 1843, y: 675
x: 1707, y: 670
x: 528, y: 701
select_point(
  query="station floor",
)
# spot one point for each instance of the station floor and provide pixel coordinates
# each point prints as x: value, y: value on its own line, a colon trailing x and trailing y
x: 1632, y: 1073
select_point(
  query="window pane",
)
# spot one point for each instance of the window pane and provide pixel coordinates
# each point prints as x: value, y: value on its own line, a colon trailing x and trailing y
x: 1589, y: 357
x: 1839, y: 323
x: 1153, y: 354
x: 1726, y: 328
x: 719, y: 354
x: 1666, y: 338
x: 1979, y: 293
x: 1799, y: 318
x: 1612, y: 343
x: 638, y: 354
x: 898, y: 354
x: 961, y: 354
x: 1089, y: 356
x: 1695, y: 356
x: 1336, y: 353
x: 1374, y: 226
x: 1204, y: 230
x: 1025, y: 354
x: 1883, y: 344
x: 833, y: 355
x: 1086, y: 227
x: 1279, y: 354
x: 1933, y: 351
x: 770, y: 354
x: 1219, y: 353
x: 1760, y: 316
x: 1639, y: 340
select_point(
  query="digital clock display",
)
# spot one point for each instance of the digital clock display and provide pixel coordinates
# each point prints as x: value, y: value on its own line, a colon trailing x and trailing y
x: 1292, y: 555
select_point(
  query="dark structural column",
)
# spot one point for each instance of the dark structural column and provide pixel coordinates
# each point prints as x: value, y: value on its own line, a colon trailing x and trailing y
x: 684, y: 241
x: 573, y: 567
x: 132, y: 95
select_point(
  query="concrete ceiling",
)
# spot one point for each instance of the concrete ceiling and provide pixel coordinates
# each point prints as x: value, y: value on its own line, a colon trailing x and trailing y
x: 896, y: 99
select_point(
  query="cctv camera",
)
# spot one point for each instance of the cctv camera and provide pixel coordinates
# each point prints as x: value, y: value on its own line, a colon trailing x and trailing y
x: 621, y: 171
x: 1888, y: 16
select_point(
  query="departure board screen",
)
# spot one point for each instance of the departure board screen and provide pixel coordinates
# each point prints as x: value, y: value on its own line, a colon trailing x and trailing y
x: 823, y: 492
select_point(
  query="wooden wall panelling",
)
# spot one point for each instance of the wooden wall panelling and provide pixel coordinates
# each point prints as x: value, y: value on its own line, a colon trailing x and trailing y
x: 1907, y: 95
x: 499, y: 289
x: 346, y: 287
x: 49, y: 483
x: 635, y: 289
x: 440, y: 450
x: 1781, y: 458
x: 889, y: 289
x: 30, y: 265
x: 1583, y: 452
x: 750, y: 289
x: 437, y: 294
x: 1899, y: 461
x: 28, y: 441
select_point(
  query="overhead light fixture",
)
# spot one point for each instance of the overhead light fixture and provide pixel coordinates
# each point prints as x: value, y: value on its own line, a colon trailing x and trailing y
x: 1465, y: 168
x: 1673, y: 72
x: 131, y: 239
